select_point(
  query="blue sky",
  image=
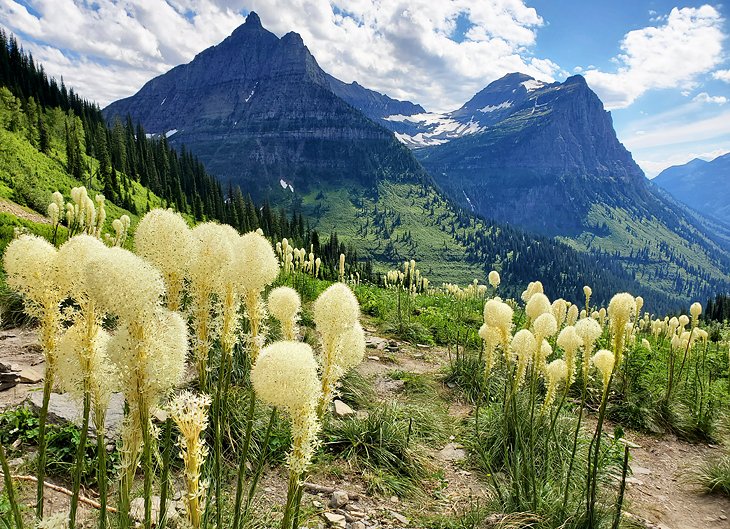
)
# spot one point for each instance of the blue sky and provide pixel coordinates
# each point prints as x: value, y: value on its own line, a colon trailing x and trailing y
x: 661, y: 67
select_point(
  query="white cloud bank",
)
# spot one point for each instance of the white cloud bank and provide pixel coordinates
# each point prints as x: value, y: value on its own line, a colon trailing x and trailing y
x: 673, y: 55
x: 409, y: 49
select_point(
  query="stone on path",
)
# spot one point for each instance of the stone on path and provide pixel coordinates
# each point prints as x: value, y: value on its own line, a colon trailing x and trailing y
x: 339, y: 498
x: 452, y: 452
x: 64, y: 408
x: 342, y: 409
x: 335, y: 520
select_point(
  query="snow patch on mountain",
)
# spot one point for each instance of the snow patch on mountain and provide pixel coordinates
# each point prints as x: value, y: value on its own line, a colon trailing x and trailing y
x: 532, y: 85
x: 492, y: 108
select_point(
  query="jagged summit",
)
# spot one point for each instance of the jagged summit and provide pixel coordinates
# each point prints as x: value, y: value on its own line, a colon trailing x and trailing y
x: 260, y: 112
x: 252, y: 21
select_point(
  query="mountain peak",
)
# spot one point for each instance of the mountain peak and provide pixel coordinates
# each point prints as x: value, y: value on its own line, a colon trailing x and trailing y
x: 253, y: 20
x: 576, y: 79
x: 293, y: 38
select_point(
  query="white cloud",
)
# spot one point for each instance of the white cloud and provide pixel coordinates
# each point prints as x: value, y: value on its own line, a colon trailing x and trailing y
x: 672, y: 55
x: 704, y: 97
x: 680, y: 132
x: 722, y: 75
x: 408, y: 49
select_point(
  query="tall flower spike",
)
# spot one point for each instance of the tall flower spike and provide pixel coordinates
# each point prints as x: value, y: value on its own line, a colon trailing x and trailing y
x: 82, y: 369
x: 491, y: 336
x: 124, y: 284
x: 164, y: 239
x: 190, y: 414
x: 570, y: 342
x: 620, y: 309
x: 494, y: 278
x: 284, y: 304
x: 537, y: 304
x: 257, y: 268
x: 212, y: 254
x: 285, y: 376
x: 589, y: 331
x: 524, y: 346
x: 604, y: 361
x: 556, y: 372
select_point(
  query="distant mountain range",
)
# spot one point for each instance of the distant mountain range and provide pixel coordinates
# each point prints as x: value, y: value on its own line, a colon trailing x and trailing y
x: 260, y: 112
x: 702, y: 185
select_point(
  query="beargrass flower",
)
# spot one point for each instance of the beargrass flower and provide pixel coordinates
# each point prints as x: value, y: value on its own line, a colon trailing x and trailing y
x: 570, y: 342
x: 556, y: 372
x: 285, y: 376
x: 604, y: 361
x: 589, y: 331
x: 165, y: 240
x: 190, y: 413
x: 524, y: 346
x: 284, y: 304
x: 537, y: 304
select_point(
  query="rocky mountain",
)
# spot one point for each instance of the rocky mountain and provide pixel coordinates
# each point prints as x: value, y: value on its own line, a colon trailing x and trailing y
x: 546, y: 157
x: 373, y: 104
x: 702, y: 185
x: 259, y: 112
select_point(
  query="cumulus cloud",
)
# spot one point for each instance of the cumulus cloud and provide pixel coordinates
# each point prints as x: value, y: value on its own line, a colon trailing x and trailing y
x: 704, y: 97
x: 722, y: 75
x: 686, y: 45
x: 435, y: 53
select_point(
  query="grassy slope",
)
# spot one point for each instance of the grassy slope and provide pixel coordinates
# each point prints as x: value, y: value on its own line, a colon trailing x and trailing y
x: 29, y: 177
x: 629, y: 234
x: 438, y: 255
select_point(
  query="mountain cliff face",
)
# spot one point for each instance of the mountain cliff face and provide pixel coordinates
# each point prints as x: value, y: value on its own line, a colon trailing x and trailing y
x: 541, y: 160
x: 702, y: 185
x: 373, y: 104
x: 546, y: 158
x: 260, y: 112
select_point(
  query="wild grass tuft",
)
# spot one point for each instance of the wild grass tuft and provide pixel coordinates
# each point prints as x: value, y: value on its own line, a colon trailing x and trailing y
x: 714, y: 475
x: 384, y: 445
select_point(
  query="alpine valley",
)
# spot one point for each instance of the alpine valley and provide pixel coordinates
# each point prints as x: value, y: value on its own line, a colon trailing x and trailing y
x: 453, y: 191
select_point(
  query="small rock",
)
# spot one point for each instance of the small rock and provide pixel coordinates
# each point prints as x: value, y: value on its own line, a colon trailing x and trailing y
x: 723, y: 517
x: 640, y: 470
x: 358, y: 525
x: 394, y: 499
x: 452, y: 452
x: 339, y: 498
x: 334, y: 520
x: 450, y: 385
x: 30, y: 375
x: 419, y: 356
x: 399, y: 517
x: 342, y: 409
x: 634, y: 481
x: 362, y: 414
x: 423, y: 346
x: 374, y: 358
x: 136, y: 509
x: 317, y: 504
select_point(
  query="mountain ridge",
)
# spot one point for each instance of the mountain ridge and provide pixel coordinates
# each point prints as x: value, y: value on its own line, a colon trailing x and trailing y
x: 273, y: 123
x: 700, y: 184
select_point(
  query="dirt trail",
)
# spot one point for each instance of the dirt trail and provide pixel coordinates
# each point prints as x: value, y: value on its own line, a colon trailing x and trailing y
x: 657, y: 492
x: 19, y: 211
x: 660, y: 492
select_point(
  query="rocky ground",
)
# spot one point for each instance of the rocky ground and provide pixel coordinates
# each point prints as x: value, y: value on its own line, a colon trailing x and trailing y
x: 658, y: 493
